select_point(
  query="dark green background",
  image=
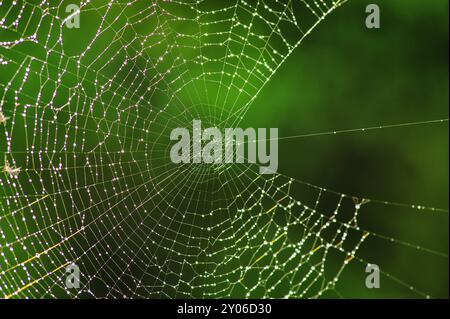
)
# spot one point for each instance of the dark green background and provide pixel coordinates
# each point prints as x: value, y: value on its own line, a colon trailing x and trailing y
x: 342, y: 76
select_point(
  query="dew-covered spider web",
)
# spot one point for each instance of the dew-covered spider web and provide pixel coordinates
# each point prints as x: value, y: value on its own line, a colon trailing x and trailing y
x: 85, y: 120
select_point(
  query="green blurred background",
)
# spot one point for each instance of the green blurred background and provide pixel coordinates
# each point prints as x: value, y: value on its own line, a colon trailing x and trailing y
x: 342, y: 76
x: 347, y: 76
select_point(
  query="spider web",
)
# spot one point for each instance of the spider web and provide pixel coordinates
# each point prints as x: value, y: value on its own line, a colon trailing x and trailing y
x: 87, y: 114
